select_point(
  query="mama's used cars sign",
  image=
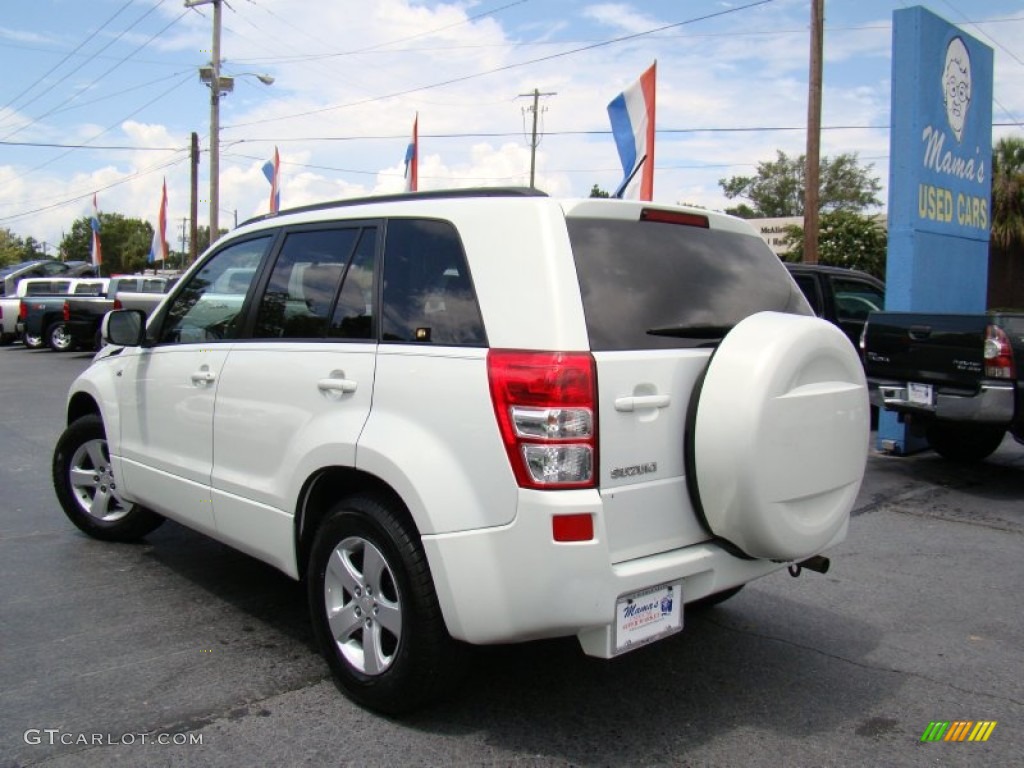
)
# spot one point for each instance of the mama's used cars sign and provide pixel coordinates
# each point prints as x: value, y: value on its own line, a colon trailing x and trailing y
x: 940, y: 164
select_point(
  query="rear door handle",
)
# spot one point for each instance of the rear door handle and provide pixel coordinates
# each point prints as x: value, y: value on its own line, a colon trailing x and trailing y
x: 627, y: 404
x: 919, y: 332
x: 336, y: 384
x: 204, y: 376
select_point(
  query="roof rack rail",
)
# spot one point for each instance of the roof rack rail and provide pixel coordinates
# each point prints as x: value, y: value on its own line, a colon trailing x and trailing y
x: 432, y: 194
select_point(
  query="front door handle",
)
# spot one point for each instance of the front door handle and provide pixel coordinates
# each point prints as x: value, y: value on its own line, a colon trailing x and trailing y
x: 628, y: 404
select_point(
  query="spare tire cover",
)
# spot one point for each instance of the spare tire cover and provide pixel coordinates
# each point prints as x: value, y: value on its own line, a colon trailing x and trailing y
x: 780, y: 436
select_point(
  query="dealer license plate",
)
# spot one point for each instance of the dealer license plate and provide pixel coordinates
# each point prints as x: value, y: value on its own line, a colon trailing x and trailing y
x: 920, y: 394
x: 648, y: 615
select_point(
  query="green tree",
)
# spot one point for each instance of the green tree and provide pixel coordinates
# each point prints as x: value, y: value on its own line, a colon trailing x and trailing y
x: 12, y: 248
x: 596, y: 191
x: 845, y: 239
x: 125, y: 242
x: 778, y: 187
x: 1008, y: 192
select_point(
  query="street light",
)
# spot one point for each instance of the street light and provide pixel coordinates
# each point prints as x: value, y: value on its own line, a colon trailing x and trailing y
x: 218, y: 84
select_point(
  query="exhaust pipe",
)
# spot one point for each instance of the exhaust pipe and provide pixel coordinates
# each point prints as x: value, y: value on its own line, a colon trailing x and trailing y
x: 818, y: 564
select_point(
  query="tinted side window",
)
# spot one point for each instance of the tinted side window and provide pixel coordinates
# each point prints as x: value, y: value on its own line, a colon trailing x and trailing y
x: 210, y: 304
x: 856, y: 298
x: 299, y: 298
x: 353, y: 315
x: 89, y: 289
x: 428, y: 292
x: 809, y: 287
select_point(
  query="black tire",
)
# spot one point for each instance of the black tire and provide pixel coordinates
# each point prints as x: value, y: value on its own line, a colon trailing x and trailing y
x: 414, y: 660
x: 85, y: 486
x: 965, y: 443
x: 31, y: 341
x: 712, y: 600
x: 58, y: 339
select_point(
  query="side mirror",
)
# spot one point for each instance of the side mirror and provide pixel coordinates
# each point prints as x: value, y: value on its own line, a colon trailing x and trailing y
x: 124, y: 327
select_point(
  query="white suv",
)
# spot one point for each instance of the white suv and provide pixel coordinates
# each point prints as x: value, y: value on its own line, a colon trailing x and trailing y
x: 478, y: 417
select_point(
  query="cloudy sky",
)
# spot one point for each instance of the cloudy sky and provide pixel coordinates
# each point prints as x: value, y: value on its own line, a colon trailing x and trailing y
x: 102, y: 96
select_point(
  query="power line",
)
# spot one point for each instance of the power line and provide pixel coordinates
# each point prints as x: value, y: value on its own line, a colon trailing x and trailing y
x: 56, y: 66
x: 106, y: 130
x: 475, y: 135
x: 270, y: 60
x: 112, y: 147
x: 507, y: 67
x: 36, y: 119
x: 93, y: 190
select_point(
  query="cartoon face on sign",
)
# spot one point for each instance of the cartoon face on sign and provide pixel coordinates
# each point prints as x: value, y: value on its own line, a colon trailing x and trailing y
x: 956, y: 85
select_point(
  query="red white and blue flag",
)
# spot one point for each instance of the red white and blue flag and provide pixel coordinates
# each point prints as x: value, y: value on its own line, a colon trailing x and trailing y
x: 272, y: 170
x: 158, y: 249
x: 412, y: 158
x: 632, y: 117
x: 94, y: 222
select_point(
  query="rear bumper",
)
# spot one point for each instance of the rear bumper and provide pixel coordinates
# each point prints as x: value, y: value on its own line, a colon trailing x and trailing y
x: 514, y: 583
x: 994, y: 402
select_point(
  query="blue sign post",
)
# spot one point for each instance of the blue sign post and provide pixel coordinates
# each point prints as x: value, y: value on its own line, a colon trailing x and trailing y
x: 940, y: 163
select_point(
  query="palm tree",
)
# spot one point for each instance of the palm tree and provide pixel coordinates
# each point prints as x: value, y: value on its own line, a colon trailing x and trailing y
x: 1008, y: 192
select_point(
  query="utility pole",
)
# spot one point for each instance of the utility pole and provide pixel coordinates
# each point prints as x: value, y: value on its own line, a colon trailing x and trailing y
x: 194, y: 202
x: 813, y: 158
x: 533, y: 136
x: 215, y: 88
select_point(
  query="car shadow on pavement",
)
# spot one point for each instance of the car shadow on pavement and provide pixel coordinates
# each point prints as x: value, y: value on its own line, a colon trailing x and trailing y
x: 778, y: 667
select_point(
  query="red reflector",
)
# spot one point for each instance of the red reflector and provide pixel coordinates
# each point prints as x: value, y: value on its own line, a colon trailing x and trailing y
x: 573, y: 527
x: 674, y: 217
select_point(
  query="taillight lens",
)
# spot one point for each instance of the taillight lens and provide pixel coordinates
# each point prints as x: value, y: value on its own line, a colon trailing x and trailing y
x: 545, y: 403
x: 22, y: 310
x: 998, y: 354
x: 67, y: 311
x: 118, y: 304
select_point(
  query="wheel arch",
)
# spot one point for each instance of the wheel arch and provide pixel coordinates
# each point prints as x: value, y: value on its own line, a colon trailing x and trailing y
x: 82, y: 404
x: 322, y: 490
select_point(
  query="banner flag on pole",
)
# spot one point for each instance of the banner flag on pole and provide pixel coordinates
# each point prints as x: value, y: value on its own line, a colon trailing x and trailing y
x: 412, y: 158
x: 272, y: 170
x: 632, y: 117
x: 94, y: 222
x: 158, y: 249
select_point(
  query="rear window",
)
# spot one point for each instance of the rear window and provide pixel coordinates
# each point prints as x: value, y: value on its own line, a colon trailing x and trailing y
x: 653, y: 285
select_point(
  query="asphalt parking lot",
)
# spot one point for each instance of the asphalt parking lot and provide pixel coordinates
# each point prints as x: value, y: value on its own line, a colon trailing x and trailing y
x: 179, y: 651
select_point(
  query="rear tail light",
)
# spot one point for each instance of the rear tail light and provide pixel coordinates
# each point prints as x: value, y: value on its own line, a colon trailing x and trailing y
x: 998, y: 354
x: 67, y: 311
x: 22, y: 310
x: 118, y: 304
x: 545, y: 404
